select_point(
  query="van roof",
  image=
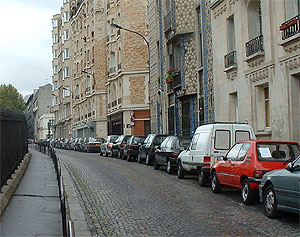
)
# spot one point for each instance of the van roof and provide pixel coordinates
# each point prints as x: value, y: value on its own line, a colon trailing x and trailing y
x: 218, y: 124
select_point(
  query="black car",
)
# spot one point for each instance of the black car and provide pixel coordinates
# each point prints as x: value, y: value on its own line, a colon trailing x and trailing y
x: 131, y: 149
x: 279, y: 190
x: 147, y: 150
x: 118, y: 147
x: 167, y: 153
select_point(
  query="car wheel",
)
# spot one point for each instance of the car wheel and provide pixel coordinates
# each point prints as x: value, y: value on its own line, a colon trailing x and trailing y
x: 128, y: 158
x: 147, y: 159
x: 139, y: 160
x: 215, y: 184
x: 156, y: 166
x: 247, y: 192
x: 88, y: 150
x: 169, y: 167
x: 180, y: 171
x: 202, y: 178
x: 270, y: 202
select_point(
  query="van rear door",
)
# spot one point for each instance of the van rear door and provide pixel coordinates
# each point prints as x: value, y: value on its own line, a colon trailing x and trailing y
x: 222, y: 142
x: 242, y: 132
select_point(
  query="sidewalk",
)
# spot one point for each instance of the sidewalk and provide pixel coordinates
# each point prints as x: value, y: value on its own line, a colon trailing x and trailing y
x: 34, y: 209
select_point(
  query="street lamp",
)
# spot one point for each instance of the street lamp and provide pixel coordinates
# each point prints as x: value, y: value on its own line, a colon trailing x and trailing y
x: 89, y: 73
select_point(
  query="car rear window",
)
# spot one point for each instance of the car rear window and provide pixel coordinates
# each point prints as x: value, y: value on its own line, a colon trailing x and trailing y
x: 159, y: 139
x: 137, y: 140
x: 185, y: 142
x: 113, y: 139
x: 277, y: 151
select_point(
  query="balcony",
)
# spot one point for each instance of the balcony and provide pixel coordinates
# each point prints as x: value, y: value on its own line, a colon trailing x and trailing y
x: 290, y: 28
x: 230, y: 60
x: 175, y: 82
x: 254, y: 46
x: 168, y: 21
x: 119, y: 101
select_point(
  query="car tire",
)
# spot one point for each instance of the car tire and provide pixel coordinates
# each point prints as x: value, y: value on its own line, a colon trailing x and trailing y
x: 180, y: 170
x: 202, y: 178
x: 128, y: 158
x: 215, y: 184
x: 88, y: 150
x: 147, y: 160
x: 119, y: 154
x: 270, y: 202
x: 139, y: 160
x: 155, y: 165
x: 247, y: 192
x: 169, y: 168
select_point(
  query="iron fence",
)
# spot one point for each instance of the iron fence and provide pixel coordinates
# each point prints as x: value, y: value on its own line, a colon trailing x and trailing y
x: 13, y: 142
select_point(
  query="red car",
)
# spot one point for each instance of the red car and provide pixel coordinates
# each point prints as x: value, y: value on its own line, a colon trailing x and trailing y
x: 247, y: 161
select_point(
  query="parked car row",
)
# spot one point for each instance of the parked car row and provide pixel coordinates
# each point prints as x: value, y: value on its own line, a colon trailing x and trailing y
x: 222, y: 154
x: 87, y: 144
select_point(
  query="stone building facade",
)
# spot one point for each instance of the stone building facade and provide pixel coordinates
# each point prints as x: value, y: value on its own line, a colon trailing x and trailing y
x: 89, y: 68
x: 128, y: 72
x: 181, y: 84
x: 41, y: 105
x: 257, y: 65
x: 61, y: 79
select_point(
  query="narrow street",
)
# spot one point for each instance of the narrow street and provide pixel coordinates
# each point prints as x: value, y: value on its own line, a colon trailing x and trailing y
x: 124, y: 198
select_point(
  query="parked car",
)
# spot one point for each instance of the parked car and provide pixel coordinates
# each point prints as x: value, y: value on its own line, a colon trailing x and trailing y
x: 210, y: 141
x: 131, y: 149
x: 246, y: 163
x: 106, y: 146
x: 73, y: 144
x: 147, y: 149
x: 279, y: 190
x: 67, y: 143
x: 92, y: 144
x: 77, y: 145
x: 167, y: 153
x: 118, y: 147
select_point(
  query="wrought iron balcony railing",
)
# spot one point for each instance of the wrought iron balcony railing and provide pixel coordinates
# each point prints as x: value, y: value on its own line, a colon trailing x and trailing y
x: 255, y: 45
x: 175, y: 82
x: 290, y: 27
x: 230, y: 59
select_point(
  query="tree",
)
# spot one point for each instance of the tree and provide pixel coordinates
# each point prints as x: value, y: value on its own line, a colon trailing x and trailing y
x: 11, y: 99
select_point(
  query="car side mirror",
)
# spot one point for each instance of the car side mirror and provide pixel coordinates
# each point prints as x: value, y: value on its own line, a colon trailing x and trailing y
x: 289, y: 167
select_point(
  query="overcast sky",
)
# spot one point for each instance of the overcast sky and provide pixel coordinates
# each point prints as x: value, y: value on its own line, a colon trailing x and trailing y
x: 25, y: 42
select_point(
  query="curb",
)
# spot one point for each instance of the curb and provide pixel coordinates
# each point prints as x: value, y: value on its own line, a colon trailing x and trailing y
x: 76, y: 215
x: 9, y: 189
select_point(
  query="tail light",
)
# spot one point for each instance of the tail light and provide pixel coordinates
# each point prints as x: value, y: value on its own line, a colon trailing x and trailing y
x: 92, y: 144
x: 206, y: 161
x: 174, y: 155
x: 122, y: 145
x: 108, y: 146
x: 258, y: 174
x: 131, y: 146
x: 154, y: 150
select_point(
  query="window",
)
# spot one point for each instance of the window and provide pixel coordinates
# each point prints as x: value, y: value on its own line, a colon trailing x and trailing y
x: 54, y: 23
x: 254, y: 19
x: 77, y: 91
x: 267, y: 107
x: 88, y: 83
x: 233, y: 153
x: 55, y: 39
x: 66, y: 53
x: 186, y: 118
x: 222, y: 139
x: 55, y: 69
x: 230, y: 34
x: 66, y: 35
x: 55, y: 85
x: 233, y: 107
x: 66, y: 1
x: 66, y: 92
x: 66, y: 16
x: 55, y: 53
x: 66, y: 72
x: 200, y: 35
x: 292, y: 8
x: 243, y: 151
x: 242, y: 135
x: 194, y: 141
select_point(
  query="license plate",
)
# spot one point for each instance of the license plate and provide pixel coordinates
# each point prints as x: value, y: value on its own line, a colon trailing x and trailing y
x: 98, y: 145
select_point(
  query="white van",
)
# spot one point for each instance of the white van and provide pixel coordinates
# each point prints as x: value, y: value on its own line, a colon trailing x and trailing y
x: 209, y: 142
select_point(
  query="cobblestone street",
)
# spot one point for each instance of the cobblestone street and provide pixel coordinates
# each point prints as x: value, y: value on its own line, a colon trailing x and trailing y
x: 123, y: 198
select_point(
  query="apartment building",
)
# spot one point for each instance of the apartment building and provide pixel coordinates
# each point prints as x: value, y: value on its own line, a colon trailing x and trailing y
x: 128, y: 72
x: 40, y: 105
x: 181, y: 84
x: 89, y: 68
x: 257, y: 65
x: 61, y: 79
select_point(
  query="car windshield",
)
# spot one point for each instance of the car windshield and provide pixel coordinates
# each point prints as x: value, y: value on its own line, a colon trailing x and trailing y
x: 277, y: 151
x: 95, y: 139
x: 119, y: 139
